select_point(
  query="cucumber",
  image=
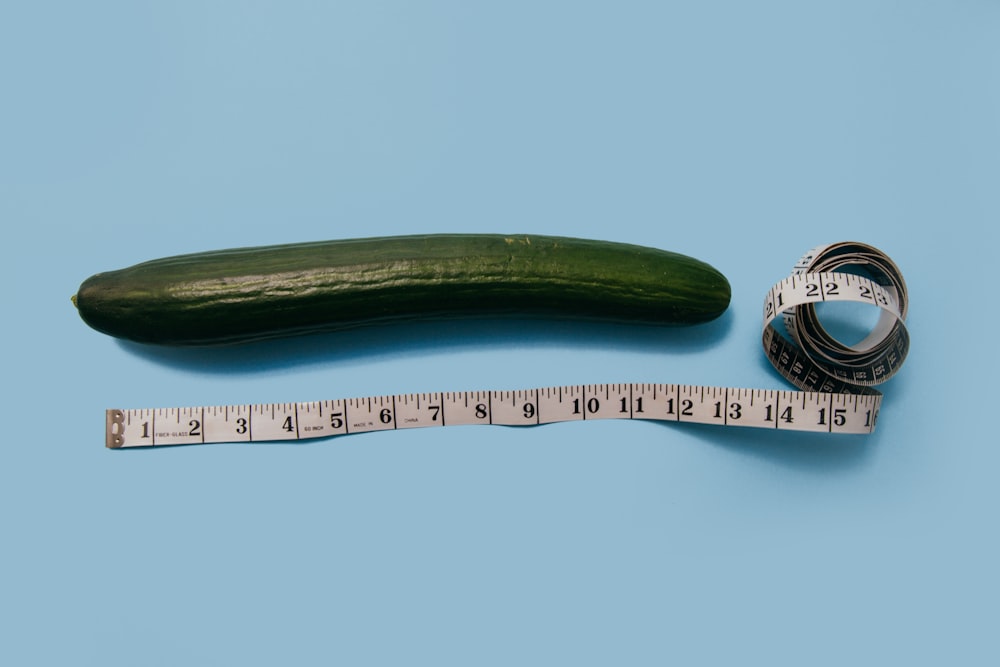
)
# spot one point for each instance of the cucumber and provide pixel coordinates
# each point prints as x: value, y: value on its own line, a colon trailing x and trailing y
x: 247, y: 294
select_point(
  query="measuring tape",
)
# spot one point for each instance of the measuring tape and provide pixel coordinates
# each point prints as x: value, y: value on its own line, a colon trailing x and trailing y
x: 834, y: 381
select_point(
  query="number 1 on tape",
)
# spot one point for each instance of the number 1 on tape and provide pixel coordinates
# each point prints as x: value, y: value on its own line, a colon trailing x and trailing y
x: 833, y: 381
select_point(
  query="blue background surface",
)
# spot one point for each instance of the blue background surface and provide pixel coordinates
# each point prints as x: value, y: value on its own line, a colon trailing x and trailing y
x: 740, y: 133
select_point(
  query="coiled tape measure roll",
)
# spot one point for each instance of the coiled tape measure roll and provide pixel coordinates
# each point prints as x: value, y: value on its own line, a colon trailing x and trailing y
x: 833, y: 381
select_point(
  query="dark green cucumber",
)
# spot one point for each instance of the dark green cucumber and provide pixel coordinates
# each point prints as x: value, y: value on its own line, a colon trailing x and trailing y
x: 246, y: 294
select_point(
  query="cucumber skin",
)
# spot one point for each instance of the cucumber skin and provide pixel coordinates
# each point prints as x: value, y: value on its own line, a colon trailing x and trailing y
x: 247, y: 294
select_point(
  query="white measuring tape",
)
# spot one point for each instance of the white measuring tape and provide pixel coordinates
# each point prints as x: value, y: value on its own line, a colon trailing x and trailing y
x: 833, y: 380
